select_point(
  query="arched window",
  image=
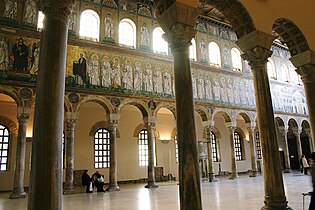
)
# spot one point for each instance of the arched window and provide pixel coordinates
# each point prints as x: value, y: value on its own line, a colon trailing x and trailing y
x: 271, y: 69
x: 214, y: 147
x: 102, y: 148
x: 159, y: 44
x: 236, y: 59
x: 40, y: 20
x: 176, y: 148
x: 238, y: 146
x: 89, y: 25
x: 4, y: 147
x: 127, y: 33
x: 214, y: 54
x: 258, y: 147
x: 285, y: 72
x: 143, y: 148
x: 192, y: 50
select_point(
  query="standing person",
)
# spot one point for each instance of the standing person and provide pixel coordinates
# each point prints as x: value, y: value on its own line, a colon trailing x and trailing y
x: 86, y: 181
x: 301, y: 164
x: 312, y: 203
x: 305, y: 164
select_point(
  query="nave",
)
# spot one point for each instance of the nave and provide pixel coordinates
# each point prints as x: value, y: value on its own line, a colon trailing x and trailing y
x: 239, y: 194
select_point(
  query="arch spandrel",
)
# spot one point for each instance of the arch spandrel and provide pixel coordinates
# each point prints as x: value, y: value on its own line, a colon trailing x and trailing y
x: 170, y: 107
x: 224, y: 113
x: 141, y: 105
x: 96, y: 99
x: 13, y: 93
x: 203, y: 112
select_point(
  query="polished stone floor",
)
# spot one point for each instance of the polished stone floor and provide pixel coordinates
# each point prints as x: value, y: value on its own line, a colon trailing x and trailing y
x: 240, y: 194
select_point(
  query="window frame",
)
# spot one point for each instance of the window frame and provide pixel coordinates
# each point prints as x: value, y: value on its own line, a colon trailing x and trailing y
x: 193, y: 50
x: 159, y: 42
x: 85, y: 33
x: 238, y: 146
x: 6, y: 163
x: 122, y: 37
x: 143, y: 148
x: 237, y: 63
x: 258, y: 146
x: 214, y: 47
x: 214, y: 147
x: 102, y: 147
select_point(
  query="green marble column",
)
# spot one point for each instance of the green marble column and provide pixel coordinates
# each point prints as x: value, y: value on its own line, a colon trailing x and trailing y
x: 18, y: 185
x: 46, y: 170
x: 256, y: 48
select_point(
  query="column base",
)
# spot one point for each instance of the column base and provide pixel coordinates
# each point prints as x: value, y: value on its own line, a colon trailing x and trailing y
x: 233, y: 176
x: 212, y: 177
x: 287, y: 170
x: 253, y: 174
x: 276, y: 203
x: 15, y: 194
x: 151, y: 185
x: 69, y: 191
x: 113, y: 188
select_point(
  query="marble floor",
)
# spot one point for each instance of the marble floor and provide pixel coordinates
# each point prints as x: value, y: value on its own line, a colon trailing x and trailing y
x: 242, y: 193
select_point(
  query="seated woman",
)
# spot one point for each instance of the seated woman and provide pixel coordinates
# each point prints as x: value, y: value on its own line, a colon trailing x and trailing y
x: 98, y: 180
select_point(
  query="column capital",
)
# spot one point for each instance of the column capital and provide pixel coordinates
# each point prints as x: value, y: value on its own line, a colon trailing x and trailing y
x: 231, y: 125
x: 179, y: 36
x: 58, y: 8
x: 114, y: 120
x: 251, y: 126
x: 71, y: 119
x: 178, y: 21
x: 208, y: 123
x: 149, y: 121
x: 307, y: 73
x: 296, y: 131
x: 23, y: 114
x: 256, y: 48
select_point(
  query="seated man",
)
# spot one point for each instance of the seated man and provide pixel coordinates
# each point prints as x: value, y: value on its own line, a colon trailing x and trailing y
x: 86, y: 181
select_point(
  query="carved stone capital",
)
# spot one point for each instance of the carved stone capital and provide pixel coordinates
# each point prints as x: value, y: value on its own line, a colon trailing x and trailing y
x: 307, y: 73
x: 57, y: 8
x: 251, y: 126
x: 23, y: 114
x: 231, y: 125
x: 208, y: 124
x: 257, y: 57
x: 114, y: 121
x: 71, y: 119
x: 149, y: 121
x: 178, y: 21
x: 180, y: 36
x: 256, y: 48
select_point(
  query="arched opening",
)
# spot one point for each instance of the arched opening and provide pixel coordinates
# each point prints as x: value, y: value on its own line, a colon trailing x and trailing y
x: 89, y: 25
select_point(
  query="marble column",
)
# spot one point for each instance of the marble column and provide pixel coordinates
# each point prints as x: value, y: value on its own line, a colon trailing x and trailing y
x: 231, y: 127
x: 208, y: 126
x: 305, y: 64
x: 283, y: 132
x: 150, y: 124
x: 18, y: 185
x: 252, y: 145
x: 256, y: 48
x: 298, y: 141
x: 178, y: 22
x: 71, y: 118
x: 46, y: 169
x: 308, y: 133
x: 113, y: 186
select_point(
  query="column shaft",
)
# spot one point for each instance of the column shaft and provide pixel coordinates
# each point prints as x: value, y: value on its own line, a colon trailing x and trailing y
x: 151, y: 154
x: 46, y: 169
x: 285, y: 150
x: 189, y: 176
x: 253, y: 156
x: 211, y: 176
x: 298, y: 143
x: 113, y: 186
x: 274, y: 190
x: 309, y: 88
x: 70, y: 125
x: 18, y: 186
x: 232, y: 153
